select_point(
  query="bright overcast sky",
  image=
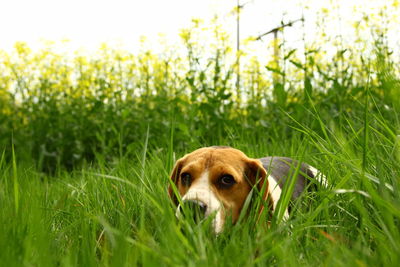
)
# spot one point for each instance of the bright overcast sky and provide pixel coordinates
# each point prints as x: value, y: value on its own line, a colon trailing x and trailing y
x: 87, y: 23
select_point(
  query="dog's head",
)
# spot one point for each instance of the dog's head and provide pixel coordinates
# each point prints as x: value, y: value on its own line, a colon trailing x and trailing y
x: 215, y: 181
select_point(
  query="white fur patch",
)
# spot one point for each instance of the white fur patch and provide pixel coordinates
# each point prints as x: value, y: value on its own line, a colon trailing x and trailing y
x: 276, y: 192
x: 319, y: 176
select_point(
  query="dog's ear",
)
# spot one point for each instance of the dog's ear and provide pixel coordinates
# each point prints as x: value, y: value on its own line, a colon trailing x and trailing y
x: 176, y: 172
x: 258, y: 179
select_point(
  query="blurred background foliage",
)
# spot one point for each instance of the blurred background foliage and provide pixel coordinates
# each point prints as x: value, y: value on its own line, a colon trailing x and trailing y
x: 64, y: 110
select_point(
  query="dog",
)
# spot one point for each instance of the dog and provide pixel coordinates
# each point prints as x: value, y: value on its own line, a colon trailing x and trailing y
x: 216, y: 181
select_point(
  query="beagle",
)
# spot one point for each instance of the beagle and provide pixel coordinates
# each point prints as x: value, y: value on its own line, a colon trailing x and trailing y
x: 216, y: 181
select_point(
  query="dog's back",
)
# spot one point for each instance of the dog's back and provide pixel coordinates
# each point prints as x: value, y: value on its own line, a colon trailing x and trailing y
x: 282, y: 168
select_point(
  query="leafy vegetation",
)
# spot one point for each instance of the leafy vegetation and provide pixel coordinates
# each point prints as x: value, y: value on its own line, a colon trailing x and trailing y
x: 87, y: 143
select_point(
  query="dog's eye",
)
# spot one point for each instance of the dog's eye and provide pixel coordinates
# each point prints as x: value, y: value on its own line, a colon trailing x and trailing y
x: 226, y: 181
x: 186, y: 179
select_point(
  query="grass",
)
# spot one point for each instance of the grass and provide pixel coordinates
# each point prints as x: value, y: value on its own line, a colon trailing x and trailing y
x: 118, y: 213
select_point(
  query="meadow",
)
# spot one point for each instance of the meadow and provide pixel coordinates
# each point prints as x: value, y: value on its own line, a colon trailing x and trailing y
x: 87, y: 143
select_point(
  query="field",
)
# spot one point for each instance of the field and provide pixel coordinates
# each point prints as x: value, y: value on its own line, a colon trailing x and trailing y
x: 87, y: 144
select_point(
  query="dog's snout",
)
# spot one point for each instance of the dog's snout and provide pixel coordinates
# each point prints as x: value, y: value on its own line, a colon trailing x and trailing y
x: 194, y: 208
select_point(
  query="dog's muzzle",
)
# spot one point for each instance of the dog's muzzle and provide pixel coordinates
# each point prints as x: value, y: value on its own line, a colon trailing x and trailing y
x: 193, y: 208
x: 199, y: 205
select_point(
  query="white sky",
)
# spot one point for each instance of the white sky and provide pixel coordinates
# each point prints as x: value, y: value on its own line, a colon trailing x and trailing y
x: 90, y: 22
x: 87, y: 23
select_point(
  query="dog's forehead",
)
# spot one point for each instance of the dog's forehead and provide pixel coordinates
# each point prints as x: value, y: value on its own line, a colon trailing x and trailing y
x: 211, y: 156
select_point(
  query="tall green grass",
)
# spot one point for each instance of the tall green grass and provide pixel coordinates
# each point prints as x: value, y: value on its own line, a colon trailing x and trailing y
x: 118, y: 213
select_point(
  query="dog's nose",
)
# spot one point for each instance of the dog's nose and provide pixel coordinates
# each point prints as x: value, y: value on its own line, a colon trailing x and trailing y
x: 194, y: 208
